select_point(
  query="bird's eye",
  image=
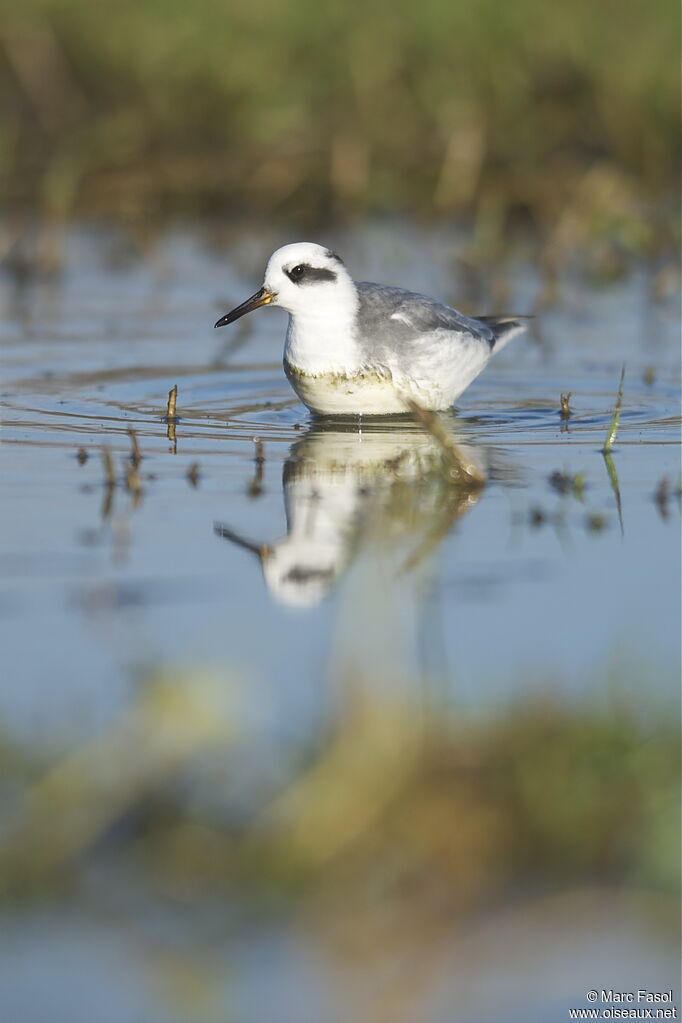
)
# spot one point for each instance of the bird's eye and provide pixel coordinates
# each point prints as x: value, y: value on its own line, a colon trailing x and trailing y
x: 297, y: 272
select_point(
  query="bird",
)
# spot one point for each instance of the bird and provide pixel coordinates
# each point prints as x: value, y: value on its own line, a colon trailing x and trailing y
x: 355, y: 348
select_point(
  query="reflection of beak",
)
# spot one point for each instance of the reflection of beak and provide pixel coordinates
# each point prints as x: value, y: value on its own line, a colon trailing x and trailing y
x: 220, y: 529
x: 262, y: 297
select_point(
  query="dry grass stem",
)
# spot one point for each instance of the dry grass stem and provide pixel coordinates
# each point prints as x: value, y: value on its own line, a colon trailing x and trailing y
x: 565, y: 407
x: 172, y: 401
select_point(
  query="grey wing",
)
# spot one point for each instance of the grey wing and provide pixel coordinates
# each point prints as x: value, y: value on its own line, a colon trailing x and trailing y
x: 394, y: 315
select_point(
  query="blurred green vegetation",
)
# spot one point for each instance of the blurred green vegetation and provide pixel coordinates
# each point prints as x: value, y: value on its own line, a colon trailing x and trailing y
x: 391, y: 805
x: 314, y: 110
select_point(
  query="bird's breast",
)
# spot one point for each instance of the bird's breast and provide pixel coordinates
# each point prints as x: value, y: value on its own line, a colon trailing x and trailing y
x: 368, y: 393
x: 317, y: 345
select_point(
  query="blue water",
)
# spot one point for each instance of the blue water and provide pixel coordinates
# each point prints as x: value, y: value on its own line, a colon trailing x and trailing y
x: 383, y: 575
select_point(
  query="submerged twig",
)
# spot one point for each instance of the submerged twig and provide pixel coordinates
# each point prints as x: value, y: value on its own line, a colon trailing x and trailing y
x: 566, y: 483
x: 537, y: 516
x: 661, y: 496
x: 136, y: 454
x: 109, y: 482
x: 461, y: 470
x: 613, y: 426
x: 107, y: 502
x: 108, y: 463
x: 133, y: 484
x: 595, y: 522
x: 255, y: 488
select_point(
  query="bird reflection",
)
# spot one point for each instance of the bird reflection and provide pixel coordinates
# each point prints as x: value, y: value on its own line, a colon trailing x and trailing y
x: 347, y: 488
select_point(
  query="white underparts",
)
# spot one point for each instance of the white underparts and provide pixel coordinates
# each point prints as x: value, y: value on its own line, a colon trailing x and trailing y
x: 369, y: 393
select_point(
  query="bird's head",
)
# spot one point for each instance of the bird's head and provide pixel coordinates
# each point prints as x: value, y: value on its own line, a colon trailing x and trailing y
x: 299, y: 278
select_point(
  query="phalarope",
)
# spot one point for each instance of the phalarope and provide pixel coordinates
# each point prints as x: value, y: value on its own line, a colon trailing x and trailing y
x: 356, y: 348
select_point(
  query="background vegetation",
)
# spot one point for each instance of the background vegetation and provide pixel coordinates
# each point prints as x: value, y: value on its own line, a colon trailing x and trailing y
x: 314, y: 110
x: 391, y: 798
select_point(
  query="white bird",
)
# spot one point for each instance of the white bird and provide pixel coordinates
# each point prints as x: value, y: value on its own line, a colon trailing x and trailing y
x: 356, y: 348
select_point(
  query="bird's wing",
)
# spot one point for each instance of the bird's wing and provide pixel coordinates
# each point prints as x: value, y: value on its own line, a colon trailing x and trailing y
x: 398, y: 313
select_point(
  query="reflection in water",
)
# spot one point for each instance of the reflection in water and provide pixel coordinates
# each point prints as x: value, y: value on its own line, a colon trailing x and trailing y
x: 346, y: 487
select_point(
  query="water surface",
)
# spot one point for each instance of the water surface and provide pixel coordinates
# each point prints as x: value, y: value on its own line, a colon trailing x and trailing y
x: 328, y: 562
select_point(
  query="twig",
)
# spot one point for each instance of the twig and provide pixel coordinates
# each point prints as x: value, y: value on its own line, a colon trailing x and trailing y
x: 108, y: 463
x: 255, y: 488
x: 172, y: 400
x: 136, y: 454
x: 109, y: 482
x: 133, y: 484
x: 661, y: 496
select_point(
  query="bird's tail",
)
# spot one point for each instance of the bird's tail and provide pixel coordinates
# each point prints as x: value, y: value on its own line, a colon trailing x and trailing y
x: 504, y: 328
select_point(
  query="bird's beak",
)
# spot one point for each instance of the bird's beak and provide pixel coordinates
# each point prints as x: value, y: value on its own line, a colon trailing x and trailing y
x: 262, y: 297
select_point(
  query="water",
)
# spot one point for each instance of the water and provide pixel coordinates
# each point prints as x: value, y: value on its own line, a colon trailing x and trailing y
x: 328, y: 563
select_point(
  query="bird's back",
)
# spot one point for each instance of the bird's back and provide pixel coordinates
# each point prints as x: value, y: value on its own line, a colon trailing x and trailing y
x: 393, y: 314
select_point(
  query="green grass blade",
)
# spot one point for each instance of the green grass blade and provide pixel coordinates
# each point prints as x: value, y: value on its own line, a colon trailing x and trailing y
x: 613, y: 425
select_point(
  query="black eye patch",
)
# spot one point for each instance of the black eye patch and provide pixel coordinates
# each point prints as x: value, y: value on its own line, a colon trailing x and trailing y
x: 303, y: 273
